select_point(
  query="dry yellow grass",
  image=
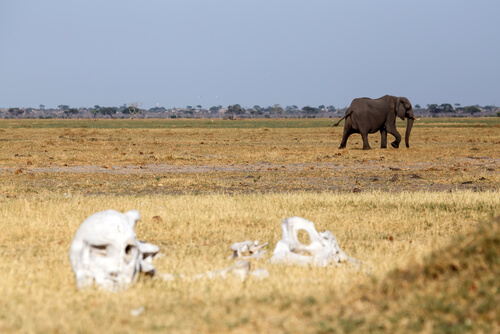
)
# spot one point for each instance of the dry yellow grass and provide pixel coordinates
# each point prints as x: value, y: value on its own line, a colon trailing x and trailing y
x: 389, y: 208
x: 387, y: 231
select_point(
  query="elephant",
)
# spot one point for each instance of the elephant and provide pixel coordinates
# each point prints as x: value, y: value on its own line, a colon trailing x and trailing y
x: 366, y: 115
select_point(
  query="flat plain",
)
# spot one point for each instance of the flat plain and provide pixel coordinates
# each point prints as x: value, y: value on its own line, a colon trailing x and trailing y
x: 421, y: 220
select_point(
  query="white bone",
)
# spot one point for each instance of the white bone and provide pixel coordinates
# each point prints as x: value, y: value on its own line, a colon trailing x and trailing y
x: 105, y: 251
x: 247, y: 249
x: 148, y: 251
x: 322, y: 251
x: 260, y: 273
x: 137, y: 311
x: 240, y: 268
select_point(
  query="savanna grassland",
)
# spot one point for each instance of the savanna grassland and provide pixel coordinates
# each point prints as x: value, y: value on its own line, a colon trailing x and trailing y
x: 421, y: 220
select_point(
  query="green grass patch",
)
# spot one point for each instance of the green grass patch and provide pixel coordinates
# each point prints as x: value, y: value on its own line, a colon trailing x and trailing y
x: 224, y: 124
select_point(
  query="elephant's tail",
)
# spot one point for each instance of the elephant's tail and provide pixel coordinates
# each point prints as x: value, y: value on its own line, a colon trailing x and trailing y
x: 347, y: 113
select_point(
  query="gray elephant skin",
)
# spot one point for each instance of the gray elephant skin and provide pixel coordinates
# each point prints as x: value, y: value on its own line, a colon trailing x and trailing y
x: 366, y: 115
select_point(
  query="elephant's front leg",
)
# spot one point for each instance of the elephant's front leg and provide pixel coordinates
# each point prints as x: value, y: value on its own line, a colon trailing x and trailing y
x: 391, y: 128
x: 383, y: 138
x: 396, y: 134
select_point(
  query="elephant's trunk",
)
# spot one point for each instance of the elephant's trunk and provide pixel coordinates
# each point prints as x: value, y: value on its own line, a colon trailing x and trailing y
x: 409, y: 125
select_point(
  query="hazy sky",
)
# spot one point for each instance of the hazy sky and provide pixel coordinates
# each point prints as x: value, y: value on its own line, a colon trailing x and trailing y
x: 265, y: 52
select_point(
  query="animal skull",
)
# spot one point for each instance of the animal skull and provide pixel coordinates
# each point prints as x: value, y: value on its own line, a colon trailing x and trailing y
x: 322, y: 251
x: 105, y: 251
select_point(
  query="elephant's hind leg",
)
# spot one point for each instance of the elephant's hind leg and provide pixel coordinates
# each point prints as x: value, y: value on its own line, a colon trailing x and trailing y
x: 366, y: 145
x: 345, y: 136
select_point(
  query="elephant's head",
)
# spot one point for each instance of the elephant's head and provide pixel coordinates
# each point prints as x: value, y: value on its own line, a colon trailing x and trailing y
x: 404, y: 109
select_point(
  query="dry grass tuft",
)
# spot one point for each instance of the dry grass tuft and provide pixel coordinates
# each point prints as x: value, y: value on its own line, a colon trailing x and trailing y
x: 387, y: 231
x: 454, y: 290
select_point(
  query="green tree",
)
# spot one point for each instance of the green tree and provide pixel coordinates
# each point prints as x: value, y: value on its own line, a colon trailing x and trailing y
x: 433, y: 109
x: 63, y: 107
x: 234, y: 110
x: 16, y: 112
x: 94, y: 112
x: 256, y: 112
x: 472, y: 109
x: 110, y: 111
x: 446, y: 107
x: 215, y: 109
x: 310, y: 111
x: 70, y: 111
x: 157, y: 109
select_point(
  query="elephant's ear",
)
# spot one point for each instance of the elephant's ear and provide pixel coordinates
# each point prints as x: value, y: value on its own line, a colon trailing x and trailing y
x: 400, y: 108
x: 406, y: 103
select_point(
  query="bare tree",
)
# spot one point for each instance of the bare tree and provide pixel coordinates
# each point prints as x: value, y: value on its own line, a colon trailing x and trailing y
x: 133, y: 109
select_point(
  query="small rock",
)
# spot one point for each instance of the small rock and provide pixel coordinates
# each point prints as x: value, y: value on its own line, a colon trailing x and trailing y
x: 157, y: 219
x: 395, y: 178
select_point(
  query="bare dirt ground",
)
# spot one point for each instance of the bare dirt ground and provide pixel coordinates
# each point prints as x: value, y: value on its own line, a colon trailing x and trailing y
x: 479, y: 173
x: 281, y: 156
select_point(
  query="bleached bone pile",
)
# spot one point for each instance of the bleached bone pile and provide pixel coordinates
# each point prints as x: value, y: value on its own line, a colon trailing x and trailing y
x: 322, y: 251
x: 247, y: 250
x: 105, y: 251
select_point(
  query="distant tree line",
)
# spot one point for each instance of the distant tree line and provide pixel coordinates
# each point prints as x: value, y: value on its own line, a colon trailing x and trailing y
x: 447, y: 110
x: 235, y: 111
